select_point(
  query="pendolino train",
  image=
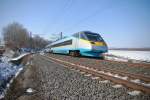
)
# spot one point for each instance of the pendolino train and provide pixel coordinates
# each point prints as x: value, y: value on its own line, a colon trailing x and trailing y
x: 83, y: 43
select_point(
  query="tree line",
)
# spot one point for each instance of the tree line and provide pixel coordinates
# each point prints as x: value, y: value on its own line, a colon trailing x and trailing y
x: 16, y: 36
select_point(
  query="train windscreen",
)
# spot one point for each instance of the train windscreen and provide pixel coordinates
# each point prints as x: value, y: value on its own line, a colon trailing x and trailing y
x: 91, y: 37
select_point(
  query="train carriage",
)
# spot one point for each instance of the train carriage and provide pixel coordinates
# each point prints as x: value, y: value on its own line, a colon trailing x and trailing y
x: 83, y: 43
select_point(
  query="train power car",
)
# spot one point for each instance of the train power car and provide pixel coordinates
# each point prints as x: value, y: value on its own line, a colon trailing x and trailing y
x: 83, y: 43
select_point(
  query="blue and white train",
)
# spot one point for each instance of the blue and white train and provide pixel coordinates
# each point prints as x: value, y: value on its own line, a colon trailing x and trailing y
x: 83, y: 43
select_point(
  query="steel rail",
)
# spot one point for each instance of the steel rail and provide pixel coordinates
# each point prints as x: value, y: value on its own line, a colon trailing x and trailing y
x: 126, y: 83
x: 131, y: 75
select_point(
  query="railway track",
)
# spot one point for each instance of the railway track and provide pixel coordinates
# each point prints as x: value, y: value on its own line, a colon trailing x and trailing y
x: 133, y: 81
x: 146, y: 65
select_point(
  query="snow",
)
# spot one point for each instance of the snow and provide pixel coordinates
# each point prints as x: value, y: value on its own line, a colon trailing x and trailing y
x: 134, y: 93
x: 124, y: 78
x: 29, y: 90
x: 104, y: 81
x: 136, y: 81
x: 117, y: 86
x: 8, y: 53
x: 19, y: 57
x: 82, y: 72
x: 146, y: 84
x: 124, y: 55
x: 88, y: 75
x: 7, y: 72
x: 94, y: 78
x: 1, y: 96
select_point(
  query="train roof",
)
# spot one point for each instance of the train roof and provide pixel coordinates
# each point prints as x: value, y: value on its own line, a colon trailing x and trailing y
x: 58, y: 41
x: 67, y: 38
x: 90, y: 32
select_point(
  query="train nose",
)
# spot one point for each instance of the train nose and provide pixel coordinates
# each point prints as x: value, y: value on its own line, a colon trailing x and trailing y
x: 99, y: 47
x: 98, y: 43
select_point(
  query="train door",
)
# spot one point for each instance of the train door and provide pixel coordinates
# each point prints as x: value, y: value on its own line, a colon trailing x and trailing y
x: 75, y: 41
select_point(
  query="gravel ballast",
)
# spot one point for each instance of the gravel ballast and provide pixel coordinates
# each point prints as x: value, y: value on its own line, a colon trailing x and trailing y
x: 51, y: 81
x: 98, y: 63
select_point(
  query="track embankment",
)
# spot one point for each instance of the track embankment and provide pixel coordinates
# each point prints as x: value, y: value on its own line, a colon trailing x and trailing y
x: 51, y: 80
x: 126, y: 79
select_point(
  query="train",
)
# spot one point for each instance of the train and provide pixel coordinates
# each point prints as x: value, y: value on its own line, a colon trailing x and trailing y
x: 84, y: 43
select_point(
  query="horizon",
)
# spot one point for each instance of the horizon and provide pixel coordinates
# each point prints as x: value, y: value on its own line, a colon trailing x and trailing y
x: 122, y: 24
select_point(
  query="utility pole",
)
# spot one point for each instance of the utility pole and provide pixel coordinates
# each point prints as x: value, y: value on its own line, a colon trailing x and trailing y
x: 61, y: 35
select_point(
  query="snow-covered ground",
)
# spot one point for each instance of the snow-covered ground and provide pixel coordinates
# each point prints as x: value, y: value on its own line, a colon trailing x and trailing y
x: 19, y: 57
x: 7, y: 72
x: 125, y: 55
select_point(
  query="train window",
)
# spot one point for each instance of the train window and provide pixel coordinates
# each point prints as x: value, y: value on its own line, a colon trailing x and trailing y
x: 83, y: 36
x: 68, y: 42
x: 94, y: 37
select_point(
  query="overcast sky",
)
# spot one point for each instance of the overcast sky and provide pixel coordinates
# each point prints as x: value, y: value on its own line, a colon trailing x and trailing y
x: 122, y: 23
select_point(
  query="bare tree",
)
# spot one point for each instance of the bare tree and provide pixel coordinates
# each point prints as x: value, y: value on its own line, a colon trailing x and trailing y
x: 15, y: 35
x: 39, y: 42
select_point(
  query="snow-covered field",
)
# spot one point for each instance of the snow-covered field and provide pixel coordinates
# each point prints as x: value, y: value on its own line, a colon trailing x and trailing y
x: 125, y: 55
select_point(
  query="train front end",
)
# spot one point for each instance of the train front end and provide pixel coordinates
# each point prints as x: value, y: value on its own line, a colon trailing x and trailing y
x: 92, y: 44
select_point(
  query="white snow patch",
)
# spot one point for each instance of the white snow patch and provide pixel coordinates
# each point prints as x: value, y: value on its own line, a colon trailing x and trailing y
x: 8, y: 85
x: 8, y: 53
x: 41, y: 53
x: 94, y: 78
x: 31, y: 63
x: 117, y: 86
x: 134, y: 93
x: 29, y: 90
x: 116, y: 58
x: 19, y: 70
x: 87, y: 68
x: 78, y: 70
x: 82, y: 72
x: 124, y: 78
x: 108, y: 73
x: 146, y: 84
x: 124, y: 55
x: 88, y: 75
x: 19, y: 57
x: 136, y: 81
x: 101, y: 71
x: 2, y: 96
x: 72, y: 64
x: 11, y: 81
x: 104, y: 81
x: 80, y: 66
x: 28, y: 63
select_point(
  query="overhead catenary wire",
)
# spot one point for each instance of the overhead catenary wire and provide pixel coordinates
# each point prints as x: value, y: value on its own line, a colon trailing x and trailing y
x: 60, y: 13
x: 63, y: 10
x: 87, y: 18
x: 63, y: 13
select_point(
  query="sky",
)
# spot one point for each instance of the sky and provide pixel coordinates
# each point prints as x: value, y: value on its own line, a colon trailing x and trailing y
x: 122, y: 23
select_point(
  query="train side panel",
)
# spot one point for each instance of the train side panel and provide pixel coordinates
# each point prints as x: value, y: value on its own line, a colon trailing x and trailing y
x: 66, y: 48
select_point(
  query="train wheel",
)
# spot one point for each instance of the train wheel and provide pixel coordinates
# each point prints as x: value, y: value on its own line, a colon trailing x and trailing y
x: 74, y: 53
x: 77, y: 53
x: 71, y: 53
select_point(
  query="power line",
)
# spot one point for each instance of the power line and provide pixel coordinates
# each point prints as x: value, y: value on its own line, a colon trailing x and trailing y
x: 65, y: 10
x: 87, y: 18
x: 61, y: 12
